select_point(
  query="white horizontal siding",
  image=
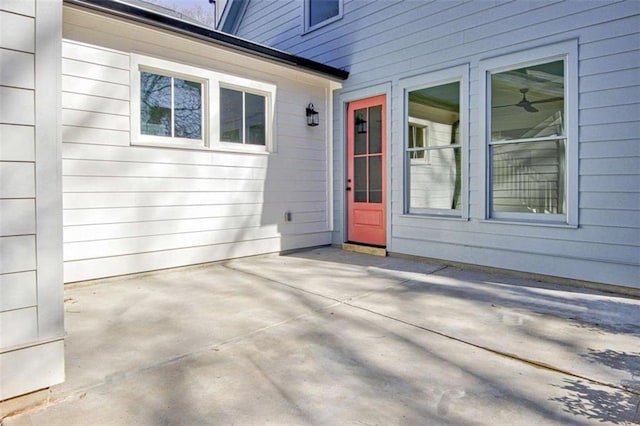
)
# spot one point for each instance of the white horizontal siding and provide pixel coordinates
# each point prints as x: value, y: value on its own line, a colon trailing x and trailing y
x: 388, y: 41
x: 134, y: 208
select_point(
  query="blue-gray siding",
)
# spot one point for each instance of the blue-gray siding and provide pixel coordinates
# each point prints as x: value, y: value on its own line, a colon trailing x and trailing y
x: 382, y: 42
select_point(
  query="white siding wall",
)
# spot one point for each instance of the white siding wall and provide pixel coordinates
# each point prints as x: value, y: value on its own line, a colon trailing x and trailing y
x: 383, y: 42
x: 132, y: 208
x: 31, y: 323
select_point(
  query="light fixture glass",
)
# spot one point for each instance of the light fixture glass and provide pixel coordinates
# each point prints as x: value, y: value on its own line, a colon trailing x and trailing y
x: 313, y: 118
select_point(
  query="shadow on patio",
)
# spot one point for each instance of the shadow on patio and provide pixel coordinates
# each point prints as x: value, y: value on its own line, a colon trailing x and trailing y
x: 331, y: 337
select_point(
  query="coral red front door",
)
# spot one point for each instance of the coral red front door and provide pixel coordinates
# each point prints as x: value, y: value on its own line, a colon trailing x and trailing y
x: 366, y: 169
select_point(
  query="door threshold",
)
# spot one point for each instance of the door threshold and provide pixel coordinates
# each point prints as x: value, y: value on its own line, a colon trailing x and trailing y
x: 365, y: 249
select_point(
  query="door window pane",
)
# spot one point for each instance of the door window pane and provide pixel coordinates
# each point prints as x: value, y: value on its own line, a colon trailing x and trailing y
x: 375, y: 179
x: 375, y: 129
x: 433, y: 156
x: 155, y: 104
x: 360, y: 131
x: 360, y: 179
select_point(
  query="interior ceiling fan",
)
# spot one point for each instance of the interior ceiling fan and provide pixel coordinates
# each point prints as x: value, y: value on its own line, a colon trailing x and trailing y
x: 527, y: 104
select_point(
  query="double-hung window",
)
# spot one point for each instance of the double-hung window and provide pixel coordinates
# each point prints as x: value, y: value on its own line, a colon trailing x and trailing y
x: 177, y: 105
x: 528, y: 132
x: 435, y: 134
x: 318, y: 13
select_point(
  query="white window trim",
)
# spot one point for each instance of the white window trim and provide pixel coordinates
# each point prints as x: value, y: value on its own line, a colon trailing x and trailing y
x: 450, y: 75
x: 212, y: 81
x: 568, y: 51
x: 306, y: 16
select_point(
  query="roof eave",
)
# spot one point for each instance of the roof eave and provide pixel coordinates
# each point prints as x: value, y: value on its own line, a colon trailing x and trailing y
x: 132, y: 13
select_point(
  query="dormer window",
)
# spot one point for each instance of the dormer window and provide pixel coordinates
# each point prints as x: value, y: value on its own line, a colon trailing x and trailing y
x: 318, y: 13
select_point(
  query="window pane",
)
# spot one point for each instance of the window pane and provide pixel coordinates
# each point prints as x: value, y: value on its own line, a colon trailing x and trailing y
x: 375, y: 129
x: 417, y: 139
x: 528, y: 102
x: 230, y: 115
x: 360, y: 131
x: 255, y: 119
x: 435, y: 185
x: 360, y: 179
x: 155, y: 104
x: 434, y: 175
x: 529, y: 177
x: 188, y: 109
x: 321, y: 10
x: 375, y: 179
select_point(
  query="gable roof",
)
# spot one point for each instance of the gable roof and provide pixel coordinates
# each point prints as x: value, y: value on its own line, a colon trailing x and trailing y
x: 156, y: 18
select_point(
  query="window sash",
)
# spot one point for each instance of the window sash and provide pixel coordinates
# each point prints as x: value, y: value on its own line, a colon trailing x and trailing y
x: 517, y: 187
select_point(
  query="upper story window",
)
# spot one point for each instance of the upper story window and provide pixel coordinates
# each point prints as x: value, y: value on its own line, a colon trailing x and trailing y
x: 183, y: 106
x: 436, y: 122
x: 318, y: 13
x: 530, y: 150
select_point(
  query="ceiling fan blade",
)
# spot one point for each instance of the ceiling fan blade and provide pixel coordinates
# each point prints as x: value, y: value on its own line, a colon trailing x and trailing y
x: 529, y: 108
x: 542, y: 101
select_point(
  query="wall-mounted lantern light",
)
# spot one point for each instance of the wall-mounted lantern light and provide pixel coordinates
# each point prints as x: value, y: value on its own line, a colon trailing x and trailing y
x: 361, y: 125
x: 313, y: 118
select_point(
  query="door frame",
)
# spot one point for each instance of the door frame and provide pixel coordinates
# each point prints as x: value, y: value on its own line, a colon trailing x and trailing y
x: 340, y: 194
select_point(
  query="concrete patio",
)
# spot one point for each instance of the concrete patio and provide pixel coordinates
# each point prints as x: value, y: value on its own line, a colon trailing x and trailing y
x: 331, y: 337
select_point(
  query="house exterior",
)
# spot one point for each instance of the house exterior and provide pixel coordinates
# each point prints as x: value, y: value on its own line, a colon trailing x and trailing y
x: 133, y: 140
x: 487, y: 133
x: 501, y: 134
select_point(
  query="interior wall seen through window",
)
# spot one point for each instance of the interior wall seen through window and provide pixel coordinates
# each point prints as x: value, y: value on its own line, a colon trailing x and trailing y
x: 433, y: 155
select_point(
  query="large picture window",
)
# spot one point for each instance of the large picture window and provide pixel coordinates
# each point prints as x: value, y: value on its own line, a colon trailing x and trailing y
x: 530, y: 158
x: 435, y: 133
x: 528, y: 140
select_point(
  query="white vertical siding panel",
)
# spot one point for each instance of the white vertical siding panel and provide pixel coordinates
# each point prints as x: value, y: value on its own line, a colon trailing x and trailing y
x: 22, y: 7
x: 16, y: 143
x: 18, y: 327
x: 18, y: 291
x: 16, y: 106
x: 21, y: 72
x: 17, y: 180
x: 17, y: 217
x: 17, y: 254
x: 17, y: 32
